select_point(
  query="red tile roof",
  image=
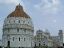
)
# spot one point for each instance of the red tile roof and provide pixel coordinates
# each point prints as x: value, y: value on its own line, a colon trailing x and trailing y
x: 19, y: 12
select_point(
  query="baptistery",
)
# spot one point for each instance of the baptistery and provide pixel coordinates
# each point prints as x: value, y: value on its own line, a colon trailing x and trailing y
x: 18, y: 29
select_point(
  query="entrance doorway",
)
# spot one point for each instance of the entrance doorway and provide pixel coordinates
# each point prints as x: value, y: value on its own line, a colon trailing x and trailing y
x: 8, y: 43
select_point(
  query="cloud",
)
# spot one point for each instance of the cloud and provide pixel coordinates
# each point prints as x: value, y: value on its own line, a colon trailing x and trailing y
x: 13, y: 2
x: 49, y: 6
x: 10, y: 2
x: 55, y: 21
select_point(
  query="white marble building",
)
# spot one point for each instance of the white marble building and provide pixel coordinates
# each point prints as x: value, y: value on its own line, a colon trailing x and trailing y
x: 61, y: 37
x: 0, y: 43
x: 18, y: 29
x: 43, y: 39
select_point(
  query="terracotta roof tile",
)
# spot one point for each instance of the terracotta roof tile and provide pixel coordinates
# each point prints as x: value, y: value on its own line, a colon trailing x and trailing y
x: 19, y: 12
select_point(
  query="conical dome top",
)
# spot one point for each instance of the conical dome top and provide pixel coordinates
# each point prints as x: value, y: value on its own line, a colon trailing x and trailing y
x: 19, y: 12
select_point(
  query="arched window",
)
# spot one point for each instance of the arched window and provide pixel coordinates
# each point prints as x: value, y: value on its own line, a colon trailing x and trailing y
x: 14, y: 21
x: 17, y: 30
x: 24, y: 30
x: 8, y: 29
x: 13, y: 38
x: 9, y: 21
x: 8, y: 43
x: 35, y: 44
x: 39, y: 44
x: 44, y: 44
x: 63, y: 44
x: 28, y: 22
x: 24, y: 39
x: 23, y: 21
x: 19, y: 21
x: 19, y: 38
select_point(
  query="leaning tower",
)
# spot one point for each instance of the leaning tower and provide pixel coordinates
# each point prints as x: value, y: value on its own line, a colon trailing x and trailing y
x: 18, y: 29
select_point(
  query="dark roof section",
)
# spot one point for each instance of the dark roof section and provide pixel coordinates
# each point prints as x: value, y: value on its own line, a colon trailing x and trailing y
x: 19, y: 12
x: 39, y: 31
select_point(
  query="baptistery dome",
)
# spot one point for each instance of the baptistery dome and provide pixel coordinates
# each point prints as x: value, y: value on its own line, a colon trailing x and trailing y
x: 19, y: 12
x: 17, y: 17
x: 18, y: 29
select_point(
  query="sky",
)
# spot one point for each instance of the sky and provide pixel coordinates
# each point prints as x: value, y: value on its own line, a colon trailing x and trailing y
x: 45, y: 14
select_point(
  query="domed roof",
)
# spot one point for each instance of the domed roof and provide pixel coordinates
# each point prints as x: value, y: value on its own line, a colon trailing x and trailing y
x: 39, y: 31
x: 19, y: 12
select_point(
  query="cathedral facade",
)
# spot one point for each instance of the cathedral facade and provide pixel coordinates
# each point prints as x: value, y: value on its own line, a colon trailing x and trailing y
x: 18, y: 30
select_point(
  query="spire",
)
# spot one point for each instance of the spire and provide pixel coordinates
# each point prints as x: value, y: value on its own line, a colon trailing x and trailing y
x: 19, y: 7
x: 19, y: 3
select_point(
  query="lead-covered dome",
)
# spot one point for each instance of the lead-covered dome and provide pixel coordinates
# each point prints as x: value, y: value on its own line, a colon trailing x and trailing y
x: 19, y: 12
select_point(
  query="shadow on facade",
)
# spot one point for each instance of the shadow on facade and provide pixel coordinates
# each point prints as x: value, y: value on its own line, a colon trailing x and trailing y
x: 60, y: 47
x: 0, y: 47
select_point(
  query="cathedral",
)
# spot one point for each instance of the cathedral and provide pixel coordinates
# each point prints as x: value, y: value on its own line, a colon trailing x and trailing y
x: 18, y: 30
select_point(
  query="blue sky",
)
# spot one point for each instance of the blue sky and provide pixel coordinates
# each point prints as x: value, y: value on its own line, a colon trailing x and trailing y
x: 46, y: 14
